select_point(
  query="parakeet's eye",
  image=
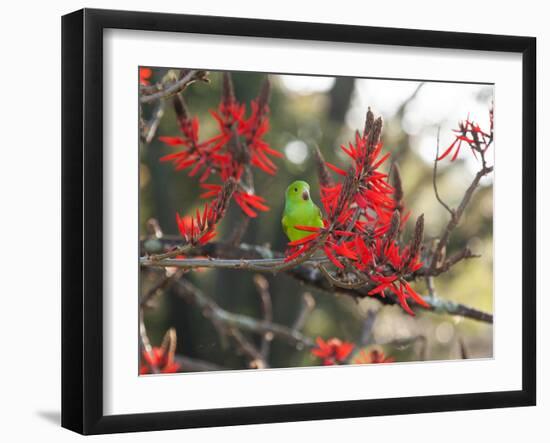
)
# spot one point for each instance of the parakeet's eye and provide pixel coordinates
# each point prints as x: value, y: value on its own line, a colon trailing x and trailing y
x: 295, y: 189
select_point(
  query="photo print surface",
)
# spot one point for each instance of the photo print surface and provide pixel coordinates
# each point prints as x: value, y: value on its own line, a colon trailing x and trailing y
x: 293, y: 221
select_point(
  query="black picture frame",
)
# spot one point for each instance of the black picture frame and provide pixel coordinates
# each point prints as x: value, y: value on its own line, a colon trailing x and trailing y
x: 82, y: 219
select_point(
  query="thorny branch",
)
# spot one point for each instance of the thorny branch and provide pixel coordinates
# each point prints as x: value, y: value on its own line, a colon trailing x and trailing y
x: 307, y: 273
x: 269, y: 265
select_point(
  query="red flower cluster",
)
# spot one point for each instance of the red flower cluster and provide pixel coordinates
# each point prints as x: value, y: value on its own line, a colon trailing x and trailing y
x: 238, y: 145
x: 400, y: 262
x: 363, y: 219
x: 333, y: 351
x: 469, y: 132
x: 161, y: 358
x: 144, y: 76
x: 372, y: 356
x: 200, y: 229
x: 157, y: 358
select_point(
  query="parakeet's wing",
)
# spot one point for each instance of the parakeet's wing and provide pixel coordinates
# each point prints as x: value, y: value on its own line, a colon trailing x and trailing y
x: 320, y: 214
x: 285, y: 223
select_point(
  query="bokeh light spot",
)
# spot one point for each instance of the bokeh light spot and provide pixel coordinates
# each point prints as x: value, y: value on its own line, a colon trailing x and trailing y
x: 444, y: 332
x: 296, y: 152
x: 307, y: 85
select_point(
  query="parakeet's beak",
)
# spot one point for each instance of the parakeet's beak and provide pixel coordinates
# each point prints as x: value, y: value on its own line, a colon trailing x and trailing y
x: 305, y: 195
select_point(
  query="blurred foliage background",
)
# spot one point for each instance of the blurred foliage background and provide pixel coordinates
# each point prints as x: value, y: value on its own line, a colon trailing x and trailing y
x: 327, y: 111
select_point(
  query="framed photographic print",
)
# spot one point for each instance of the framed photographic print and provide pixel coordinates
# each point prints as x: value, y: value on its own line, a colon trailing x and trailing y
x: 273, y: 221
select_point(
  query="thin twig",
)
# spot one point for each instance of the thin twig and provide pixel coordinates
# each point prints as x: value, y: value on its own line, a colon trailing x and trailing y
x: 402, y: 140
x: 464, y: 254
x: 441, y: 306
x: 368, y: 326
x: 257, y: 360
x: 242, y: 152
x: 164, y: 283
x: 430, y: 286
x: 308, y: 305
x: 222, y: 321
x: 181, y: 250
x: 333, y: 281
x: 146, y: 344
x: 262, y: 286
x: 164, y: 92
x: 457, y: 214
x: 439, y: 199
x: 150, y: 128
x: 402, y: 108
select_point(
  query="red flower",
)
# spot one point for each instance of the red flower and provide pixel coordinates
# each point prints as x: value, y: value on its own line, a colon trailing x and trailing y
x: 250, y: 203
x: 238, y: 146
x: 470, y: 133
x: 332, y: 351
x: 157, y: 358
x: 196, y: 230
x: 145, y: 75
x: 399, y: 263
x: 373, y: 356
x: 161, y: 359
x: 199, y: 230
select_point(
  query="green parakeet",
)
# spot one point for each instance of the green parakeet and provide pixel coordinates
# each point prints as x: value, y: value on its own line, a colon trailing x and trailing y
x: 300, y: 210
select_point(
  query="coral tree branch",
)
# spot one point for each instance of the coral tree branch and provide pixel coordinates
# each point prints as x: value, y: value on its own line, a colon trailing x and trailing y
x: 250, y: 256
